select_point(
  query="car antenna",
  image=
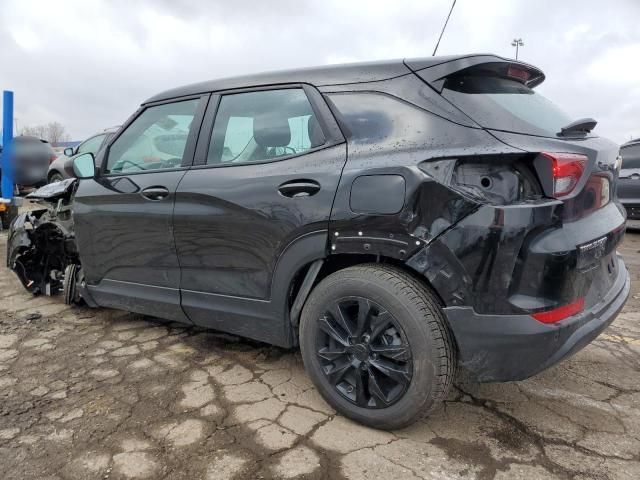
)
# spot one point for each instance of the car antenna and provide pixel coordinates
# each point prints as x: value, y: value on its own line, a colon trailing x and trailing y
x: 445, y: 26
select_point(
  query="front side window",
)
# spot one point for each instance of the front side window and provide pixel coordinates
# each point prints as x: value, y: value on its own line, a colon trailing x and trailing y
x: 155, y: 140
x: 263, y: 126
x: 91, y: 145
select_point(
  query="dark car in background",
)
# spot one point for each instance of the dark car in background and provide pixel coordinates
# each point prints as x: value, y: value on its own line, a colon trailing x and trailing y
x: 629, y: 182
x: 396, y: 220
x: 32, y: 157
x: 62, y: 167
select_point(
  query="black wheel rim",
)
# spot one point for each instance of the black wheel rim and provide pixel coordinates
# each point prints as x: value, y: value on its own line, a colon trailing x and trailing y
x: 364, y: 353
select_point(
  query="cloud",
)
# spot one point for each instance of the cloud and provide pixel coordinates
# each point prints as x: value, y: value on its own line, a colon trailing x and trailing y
x: 90, y: 63
x: 617, y: 65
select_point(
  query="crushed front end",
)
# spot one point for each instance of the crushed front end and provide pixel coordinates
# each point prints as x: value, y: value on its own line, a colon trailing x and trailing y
x: 41, y: 242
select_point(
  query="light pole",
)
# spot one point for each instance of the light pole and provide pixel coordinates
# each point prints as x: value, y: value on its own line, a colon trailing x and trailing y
x: 517, y: 42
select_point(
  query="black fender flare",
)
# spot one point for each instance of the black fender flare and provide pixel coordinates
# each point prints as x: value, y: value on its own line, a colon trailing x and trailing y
x: 299, y: 253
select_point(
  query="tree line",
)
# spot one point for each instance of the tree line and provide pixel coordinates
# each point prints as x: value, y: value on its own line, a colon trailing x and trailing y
x: 52, y: 132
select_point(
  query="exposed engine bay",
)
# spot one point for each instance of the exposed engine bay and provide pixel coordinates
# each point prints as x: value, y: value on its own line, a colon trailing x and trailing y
x: 42, y: 248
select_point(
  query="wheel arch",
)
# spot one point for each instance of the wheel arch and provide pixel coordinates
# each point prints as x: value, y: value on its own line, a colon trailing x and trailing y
x: 296, y: 267
x: 336, y: 262
x: 53, y: 172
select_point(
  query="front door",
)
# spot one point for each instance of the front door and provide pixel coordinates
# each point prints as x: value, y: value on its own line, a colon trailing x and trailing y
x: 123, y: 217
x: 266, y: 179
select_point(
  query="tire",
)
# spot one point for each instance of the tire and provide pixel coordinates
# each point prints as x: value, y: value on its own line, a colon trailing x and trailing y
x: 402, y: 312
x: 8, y: 216
x: 55, y: 177
x: 69, y: 284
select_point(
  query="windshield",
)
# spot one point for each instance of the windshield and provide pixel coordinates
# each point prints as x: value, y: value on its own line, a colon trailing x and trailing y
x: 505, y: 104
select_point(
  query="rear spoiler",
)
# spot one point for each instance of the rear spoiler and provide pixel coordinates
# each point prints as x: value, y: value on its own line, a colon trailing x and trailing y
x: 434, y: 71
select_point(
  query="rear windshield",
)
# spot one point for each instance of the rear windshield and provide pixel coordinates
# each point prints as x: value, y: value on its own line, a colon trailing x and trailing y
x: 630, y: 157
x: 505, y: 104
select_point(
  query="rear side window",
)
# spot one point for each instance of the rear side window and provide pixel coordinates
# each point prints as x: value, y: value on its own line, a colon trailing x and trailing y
x: 630, y: 157
x: 263, y: 126
x: 504, y: 104
x: 377, y: 122
x: 156, y: 139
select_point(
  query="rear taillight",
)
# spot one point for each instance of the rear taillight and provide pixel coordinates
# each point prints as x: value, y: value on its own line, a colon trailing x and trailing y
x: 52, y: 158
x: 560, y: 313
x: 566, y: 169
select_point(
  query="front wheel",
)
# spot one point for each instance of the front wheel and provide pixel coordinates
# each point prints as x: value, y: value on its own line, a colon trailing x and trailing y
x: 376, y: 345
x: 70, y: 285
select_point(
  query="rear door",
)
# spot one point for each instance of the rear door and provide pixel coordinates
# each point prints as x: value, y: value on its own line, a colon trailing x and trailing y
x: 123, y: 217
x: 255, y: 207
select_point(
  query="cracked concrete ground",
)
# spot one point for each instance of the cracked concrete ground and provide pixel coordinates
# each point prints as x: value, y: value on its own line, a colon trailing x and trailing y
x: 104, y: 394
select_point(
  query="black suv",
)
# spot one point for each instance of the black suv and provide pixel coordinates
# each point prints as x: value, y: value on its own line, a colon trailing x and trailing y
x: 395, y: 220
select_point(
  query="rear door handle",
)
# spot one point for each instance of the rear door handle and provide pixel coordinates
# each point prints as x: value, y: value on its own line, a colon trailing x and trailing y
x: 299, y: 188
x: 155, y: 193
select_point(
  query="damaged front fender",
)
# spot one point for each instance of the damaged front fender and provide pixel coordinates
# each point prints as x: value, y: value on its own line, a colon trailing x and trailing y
x: 42, y: 242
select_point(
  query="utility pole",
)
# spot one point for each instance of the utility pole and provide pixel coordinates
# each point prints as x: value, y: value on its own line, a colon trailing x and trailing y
x: 517, y: 42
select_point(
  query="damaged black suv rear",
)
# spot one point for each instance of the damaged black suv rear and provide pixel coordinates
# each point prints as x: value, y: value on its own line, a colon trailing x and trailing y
x: 397, y: 221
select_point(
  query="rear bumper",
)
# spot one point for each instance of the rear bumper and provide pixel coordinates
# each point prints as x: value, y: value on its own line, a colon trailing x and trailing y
x: 515, y: 347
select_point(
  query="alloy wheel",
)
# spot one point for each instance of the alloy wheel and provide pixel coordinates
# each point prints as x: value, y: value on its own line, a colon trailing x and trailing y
x: 364, y: 353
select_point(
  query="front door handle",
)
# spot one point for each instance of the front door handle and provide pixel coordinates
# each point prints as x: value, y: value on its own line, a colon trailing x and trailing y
x: 299, y: 188
x: 155, y: 193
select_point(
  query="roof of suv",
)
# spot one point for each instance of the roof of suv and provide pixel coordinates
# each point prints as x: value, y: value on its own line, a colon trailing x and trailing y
x: 322, y: 75
x: 635, y: 141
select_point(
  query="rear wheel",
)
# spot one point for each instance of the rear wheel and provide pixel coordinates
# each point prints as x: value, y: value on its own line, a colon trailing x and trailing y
x: 375, y: 343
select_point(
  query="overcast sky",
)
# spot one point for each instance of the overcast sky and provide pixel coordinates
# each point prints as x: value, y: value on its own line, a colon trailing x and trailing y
x: 89, y: 63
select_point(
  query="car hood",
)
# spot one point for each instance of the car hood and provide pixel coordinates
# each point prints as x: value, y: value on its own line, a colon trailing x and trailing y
x: 54, y: 191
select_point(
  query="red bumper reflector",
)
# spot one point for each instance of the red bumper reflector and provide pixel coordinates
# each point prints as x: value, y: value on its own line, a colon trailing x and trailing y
x: 560, y: 313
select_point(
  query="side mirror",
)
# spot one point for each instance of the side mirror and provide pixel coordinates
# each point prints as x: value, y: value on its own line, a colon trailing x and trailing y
x: 84, y: 166
x: 68, y: 152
